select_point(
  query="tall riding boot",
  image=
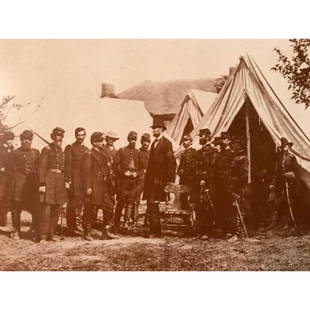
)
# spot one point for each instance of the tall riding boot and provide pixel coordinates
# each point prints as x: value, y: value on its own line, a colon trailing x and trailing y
x: 118, y: 215
x: 107, y: 234
x: 155, y: 227
x: 16, y: 224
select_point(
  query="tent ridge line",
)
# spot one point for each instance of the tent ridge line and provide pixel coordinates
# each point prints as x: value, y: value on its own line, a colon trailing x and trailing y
x: 279, y: 99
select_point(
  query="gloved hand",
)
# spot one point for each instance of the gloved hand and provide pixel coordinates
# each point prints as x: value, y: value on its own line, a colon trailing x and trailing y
x: 134, y: 174
x: 68, y: 185
x: 42, y: 189
x: 127, y: 173
x: 89, y: 191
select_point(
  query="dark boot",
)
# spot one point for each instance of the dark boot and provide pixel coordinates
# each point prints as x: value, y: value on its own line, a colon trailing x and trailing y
x: 16, y: 224
x: 107, y: 235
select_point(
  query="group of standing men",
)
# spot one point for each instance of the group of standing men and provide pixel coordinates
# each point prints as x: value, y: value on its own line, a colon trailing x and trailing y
x: 217, y: 176
x: 86, y: 180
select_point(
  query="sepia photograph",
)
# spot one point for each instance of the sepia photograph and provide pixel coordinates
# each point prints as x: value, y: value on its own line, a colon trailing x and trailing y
x: 155, y: 154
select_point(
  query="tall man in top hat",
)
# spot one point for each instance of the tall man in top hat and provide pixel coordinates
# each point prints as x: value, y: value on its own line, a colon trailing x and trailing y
x: 53, y: 184
x: 25, y: 163
x: 74, y: 154
x: 6, y: 147
x: 127, y: 169
x: 186, y: 169
x: 98, y: 188
x: 161, y: 170
x: 286, y: 184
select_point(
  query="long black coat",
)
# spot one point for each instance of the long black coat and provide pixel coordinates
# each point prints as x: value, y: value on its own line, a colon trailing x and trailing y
x: 74, y: 154
x: 96, y: 172
x: 160, y: 171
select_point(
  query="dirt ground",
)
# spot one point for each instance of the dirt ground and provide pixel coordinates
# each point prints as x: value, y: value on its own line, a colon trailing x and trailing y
x: 262, y: 253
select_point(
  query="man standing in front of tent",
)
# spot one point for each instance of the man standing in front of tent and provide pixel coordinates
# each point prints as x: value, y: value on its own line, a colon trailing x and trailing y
x: 286, y: 184
x: 186, y: 169
x: 161, y: 170
x: 53, y: 185
x: 74, y: 154
x: 204, y: 181
x: 238, y: 179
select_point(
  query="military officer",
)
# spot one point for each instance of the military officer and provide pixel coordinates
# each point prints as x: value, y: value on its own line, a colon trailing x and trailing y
x: 186, y: 169
x: 238, y: 180
x: 74, y: 154
x: 6, y: 147
x: 204, y: 179
x: 285, y: 184
x: 96, y: 171
x: 144, y: 154
x: 221, y: 168
x: 25, y: 162
x: 127, y: 169
x: 53, y: 184
x: 109, y: 150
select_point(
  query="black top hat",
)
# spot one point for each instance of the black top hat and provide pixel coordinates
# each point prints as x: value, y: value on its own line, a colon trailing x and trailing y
x: 285, y: 142
x: 158, y: 122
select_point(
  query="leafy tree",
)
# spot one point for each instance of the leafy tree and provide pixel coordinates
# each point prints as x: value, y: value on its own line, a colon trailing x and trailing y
x: 296, y: 70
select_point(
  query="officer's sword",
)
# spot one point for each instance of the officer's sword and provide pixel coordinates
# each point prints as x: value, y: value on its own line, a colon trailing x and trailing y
x: 289, y: 204
x: 61, y: 224
x: 241, y: 218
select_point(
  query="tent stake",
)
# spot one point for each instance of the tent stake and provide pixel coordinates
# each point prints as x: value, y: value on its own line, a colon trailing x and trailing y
x: 248, y: 141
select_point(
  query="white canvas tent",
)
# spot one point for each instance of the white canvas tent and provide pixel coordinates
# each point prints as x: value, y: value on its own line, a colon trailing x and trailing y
x: 194, y: 106
x: 247, y: 84
x: 107, y: 114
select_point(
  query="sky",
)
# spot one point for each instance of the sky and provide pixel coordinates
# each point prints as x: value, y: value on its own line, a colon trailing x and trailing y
x: 67, y: 74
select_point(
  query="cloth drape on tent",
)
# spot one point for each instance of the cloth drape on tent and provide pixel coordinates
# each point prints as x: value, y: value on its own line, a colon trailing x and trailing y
x: 246, y: 80
x: 195, y: 104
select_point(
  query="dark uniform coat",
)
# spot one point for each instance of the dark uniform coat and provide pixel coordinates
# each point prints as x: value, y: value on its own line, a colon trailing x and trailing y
x: 51, y: 174
x: 96, y: 172
x: 160, y: 171
x: 74, y: 154
x: 144, y: 156
x: 5, y: 177
x: 187, y: 167
x: 127, y: 159
x: 110, y: 155
x: 25, y: 165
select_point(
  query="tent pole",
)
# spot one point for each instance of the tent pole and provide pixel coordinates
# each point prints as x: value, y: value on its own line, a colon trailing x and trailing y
x: 248, y: 141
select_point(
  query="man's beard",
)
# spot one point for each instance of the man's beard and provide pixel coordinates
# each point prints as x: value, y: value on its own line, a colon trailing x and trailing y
x: 26, y: 146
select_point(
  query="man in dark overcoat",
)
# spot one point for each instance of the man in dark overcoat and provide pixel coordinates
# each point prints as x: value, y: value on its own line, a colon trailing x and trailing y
x: 161, y: 170
x: 144, y: 155
x: 98, y: 188
x: 24, y: 162
x: 127, y: 169
x: 74, y: 154
x: 6, y: 147
x: 186, y: 169
x: 53, y: 184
